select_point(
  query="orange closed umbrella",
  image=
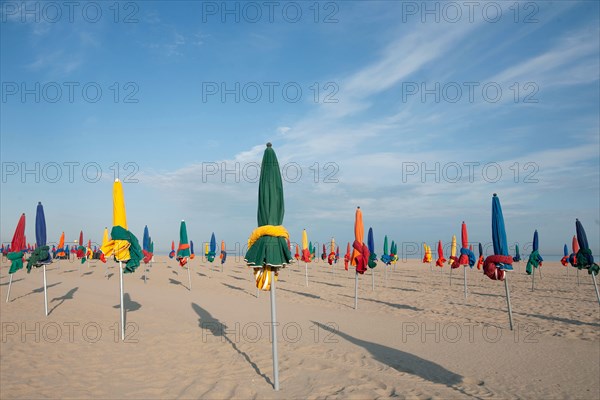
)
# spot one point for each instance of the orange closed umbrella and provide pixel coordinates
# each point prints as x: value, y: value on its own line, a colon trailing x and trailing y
x: 360, y: 253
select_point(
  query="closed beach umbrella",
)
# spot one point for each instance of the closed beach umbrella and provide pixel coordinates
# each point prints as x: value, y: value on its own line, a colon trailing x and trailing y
x: 268, y: 250
x: 360, y: 252
x: 223, y: 255
x: 371, y: 246
x: 192, y: 254
x: 480, y: 260
x: 585, y: 259
x: 496, y: 265
x: 535, y: 259
x: 212, y: 249
x: 452, y: 253
x: 15, y: 255
x: 172, y: 252
x: 183, y: 250
x: 41, y: 255
x: 122, y: 244
x: 517, y: 256
x: 61, y: 252
x: 331, y: 256
x: 347, y: 256
x: 565, y: 260
x: 440, y: 251
x: 306, y: 256
x: 385, y: 257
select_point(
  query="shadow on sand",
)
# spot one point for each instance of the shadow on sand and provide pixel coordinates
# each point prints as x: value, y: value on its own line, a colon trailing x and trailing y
x: 207, y: 321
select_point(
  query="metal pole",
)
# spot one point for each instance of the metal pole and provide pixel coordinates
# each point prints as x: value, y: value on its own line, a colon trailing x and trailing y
x: 45, y: 292
x: 274, y: 332
x: 122, y: 305
x: 373, y: 279
x: 596, y: 287
x: 356, y: 290
x: 533, y: 279
x: 306, y: 273
x: 189, y: 278
x: 9, y: 285
x: 577, y: 276
x: 510, y: 319
x: 450, y: 275
x: 465, y: 280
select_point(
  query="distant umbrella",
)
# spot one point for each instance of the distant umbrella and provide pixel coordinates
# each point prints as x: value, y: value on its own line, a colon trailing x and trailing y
x: 17, y: 245
x: 172, y: 252
x: 517, y: 256
x: 452, y: 253
x: 480, y: 260
x: 360, y: 253
x: 565, y: 260
x: 223, y: 255
x: 371, y: 246
x: 440, y: 251
x: 212, y: 250
x: 347, y: 256
x: 41, y: 256
x: 385, y: 257
x: 183, y: 250
x: 192, y: 254
x: 535, y: 259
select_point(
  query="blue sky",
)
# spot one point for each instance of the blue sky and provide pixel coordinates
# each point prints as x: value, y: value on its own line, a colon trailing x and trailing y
x: 388, y: 107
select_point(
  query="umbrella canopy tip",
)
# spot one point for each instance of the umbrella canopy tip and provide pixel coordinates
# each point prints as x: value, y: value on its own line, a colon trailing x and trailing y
x: 116, y: 180
x: 357, y: 206
x: 495, y: 195
x: 269, y: 144
x: 39, y: 203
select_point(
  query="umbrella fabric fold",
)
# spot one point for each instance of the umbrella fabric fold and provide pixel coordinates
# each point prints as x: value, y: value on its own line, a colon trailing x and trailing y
x: 440, y: 251
x: 347, y: 256
x: 268, y: 244
x: 495, y: 265
x: 360, y: 253
x: 17, y: 245
x: 172, y: 252
x: 123, y: 245
x: 212, y: 249
x: 297, y: 254
x: 426, y: 253
x: 535, y: 259
x: 41, y: 254
x: 385, y: 256
x: 480, y: 260
x: 183, y: 250
x: 466, y: 254
x: 223, y: 255
x: 306, y: 257
x: 331, y: 255
x: 517, y: 256
x: 565, y: 260
x: 371, y: 245
x: 585, y: 259
x: 453, y: 258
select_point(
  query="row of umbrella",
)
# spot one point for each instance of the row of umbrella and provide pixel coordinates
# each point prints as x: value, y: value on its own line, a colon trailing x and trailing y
x: 269, y: 247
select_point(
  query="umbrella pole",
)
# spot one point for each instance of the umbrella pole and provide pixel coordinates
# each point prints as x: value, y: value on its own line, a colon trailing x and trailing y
x: 533, y: 279
x: 510, y: 319
x: 189, y: 278
x: 9, y: 285
x: 274, y: 333
x: 356, y: 290
x: 577, y: 276
x: 385, y: 269
x: 540, y: 271
x: 465, y: 280
x: 45, y: 292
x: 450, y: 276
x: 373, y: 279
x: 122, y: 306
x: 596, y: 287
x: 306, y: 273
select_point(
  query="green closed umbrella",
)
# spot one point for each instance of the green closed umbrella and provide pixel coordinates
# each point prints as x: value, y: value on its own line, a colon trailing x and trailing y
x: 267, y: 246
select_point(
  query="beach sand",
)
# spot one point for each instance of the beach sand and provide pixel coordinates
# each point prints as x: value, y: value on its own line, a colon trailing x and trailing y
x: 414, y: 337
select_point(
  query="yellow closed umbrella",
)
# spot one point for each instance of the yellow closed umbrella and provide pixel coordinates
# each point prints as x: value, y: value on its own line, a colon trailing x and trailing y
x: 123, y: 244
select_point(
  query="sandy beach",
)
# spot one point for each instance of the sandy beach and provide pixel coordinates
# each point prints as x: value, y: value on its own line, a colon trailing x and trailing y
x: 414, y: 336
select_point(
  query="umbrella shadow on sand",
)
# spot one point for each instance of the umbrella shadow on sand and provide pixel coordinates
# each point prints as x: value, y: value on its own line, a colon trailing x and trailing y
x: 402, y: 361
x: 62, y: 299
x: 206, y: 319
x: 393, y: 305
x: 39, y: 290
x: 6, y: 283
x: 128, y: 305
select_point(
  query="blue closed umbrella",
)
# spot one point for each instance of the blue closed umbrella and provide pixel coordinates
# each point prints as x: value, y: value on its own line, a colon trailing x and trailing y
x: 495, y: 266
x: 146, y: 239
x: 566, y: 251
x: 585, y: 259
x: 40, y: 226
x: 212, y: 249
x: 41, y: 255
